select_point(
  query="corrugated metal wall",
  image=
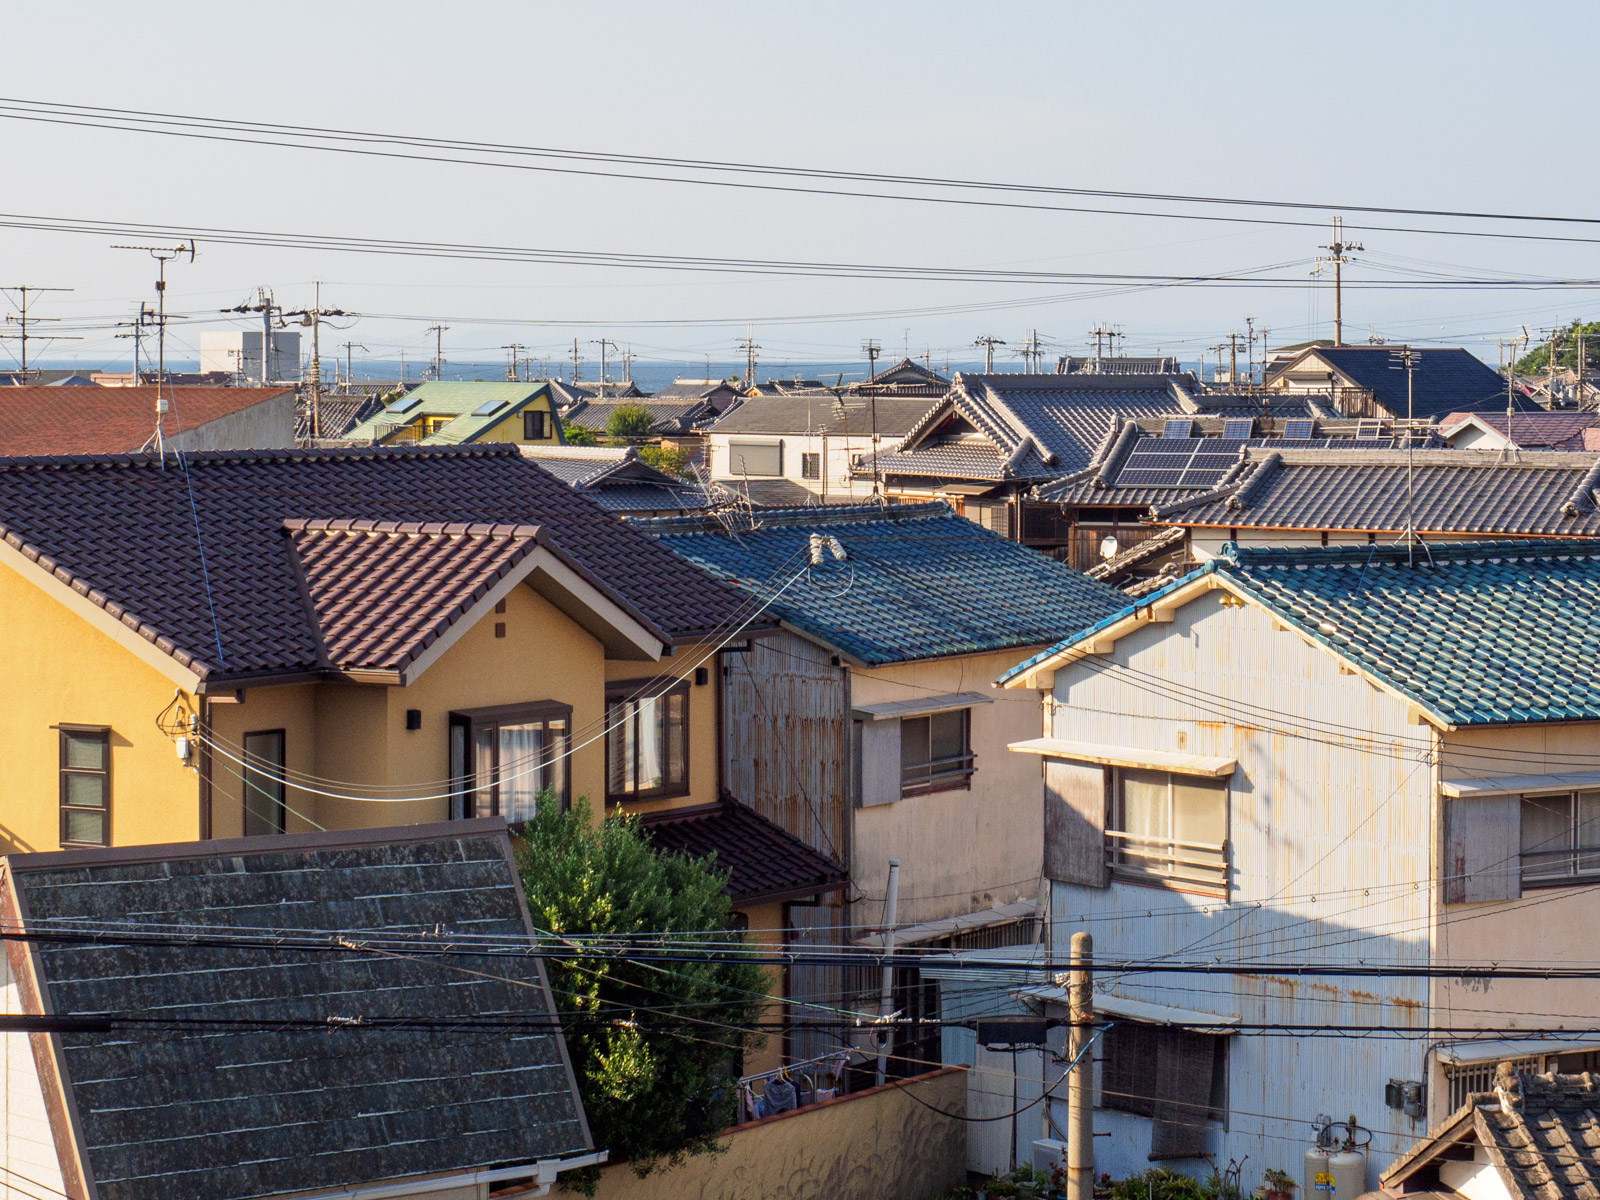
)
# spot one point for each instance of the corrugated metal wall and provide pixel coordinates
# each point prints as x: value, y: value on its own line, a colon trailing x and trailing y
x: 785, y: 721
x: 1328, y: 838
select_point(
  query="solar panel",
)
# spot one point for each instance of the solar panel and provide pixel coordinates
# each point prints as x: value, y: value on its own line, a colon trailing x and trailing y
x: 1178, y: 427
x: 1298, y: 427
x: 405, y: 404
x: 487, y: 407
x: 1367, y: 428
x: 1189, y: 463
x: 1239, y: 429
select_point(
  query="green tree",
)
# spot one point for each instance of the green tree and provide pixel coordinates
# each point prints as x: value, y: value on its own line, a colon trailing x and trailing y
x: 630, y: 420
x: 669, y: 459
x: 655, y: 1081
x: 1537, y: 360
x: 574, y: 436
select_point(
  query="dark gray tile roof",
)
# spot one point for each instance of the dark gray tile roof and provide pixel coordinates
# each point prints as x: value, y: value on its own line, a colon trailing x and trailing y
x: 283, y: 1102
x: 1446, y: 379
x: 615, y: 479
x: 667, y: 416
x: 1546, y: 430
x: 764, y: 861
x: 337, y: 415
x: 1541, y: 493
x: 828, y: 414
x: 121, y: 529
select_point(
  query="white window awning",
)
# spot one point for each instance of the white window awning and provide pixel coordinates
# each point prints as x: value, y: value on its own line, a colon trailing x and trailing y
x: 931, y: 931
x: 1513, y: 785
x: 1494, y: 1051
x: 921, y: 706
x: 1143, y: 1011
x: 1179, y: 763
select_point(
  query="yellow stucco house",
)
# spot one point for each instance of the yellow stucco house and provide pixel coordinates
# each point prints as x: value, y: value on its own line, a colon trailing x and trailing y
x: 459, y: 413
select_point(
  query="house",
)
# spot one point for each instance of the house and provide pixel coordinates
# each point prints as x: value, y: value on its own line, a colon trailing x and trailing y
x: 906, y: 378
x: 795, y: 450
x: 1096, y: 364
x: 221, y: 1044
x: 1160, y: 461
x: 576, y: 392
x: 1524, y: 1135
x: 673, y: 416
x: 1322, y: 773
x: 56, y: 377
x: 336, y: 416
x: 1294, y: 497
x: 97, y: 420
x: 461, y: 414
x: 616, y: 479
x: 1367, y: 381
x: 718, y: 393
x: 1522, y: 431
x: 866, y: 727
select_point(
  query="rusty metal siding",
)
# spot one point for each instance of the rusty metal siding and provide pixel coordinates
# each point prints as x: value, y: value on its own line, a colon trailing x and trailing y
x: 784, y: 752
x: 1330, y: 820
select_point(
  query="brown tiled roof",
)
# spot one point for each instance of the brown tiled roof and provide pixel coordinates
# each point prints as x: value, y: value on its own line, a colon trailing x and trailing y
x: 1543, y: 1137
x: 120, y: 529
x: 109, y: 420
x: 766, y: 862
x: 381, y: 592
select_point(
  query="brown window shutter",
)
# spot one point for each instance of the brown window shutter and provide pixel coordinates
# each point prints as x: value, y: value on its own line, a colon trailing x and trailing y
x: 1482, y: 838
x: 1075, y: 823
x: 1183, y: 1083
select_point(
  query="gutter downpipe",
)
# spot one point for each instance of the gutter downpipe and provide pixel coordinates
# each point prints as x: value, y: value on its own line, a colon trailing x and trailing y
x: 544, y: 1172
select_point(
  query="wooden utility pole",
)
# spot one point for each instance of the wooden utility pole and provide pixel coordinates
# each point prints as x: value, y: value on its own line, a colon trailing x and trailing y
x: 1080, y: 1075
x: 1336, y: 248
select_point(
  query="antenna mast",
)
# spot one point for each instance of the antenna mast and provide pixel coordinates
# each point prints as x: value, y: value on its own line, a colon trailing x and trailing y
x: 163, y: 255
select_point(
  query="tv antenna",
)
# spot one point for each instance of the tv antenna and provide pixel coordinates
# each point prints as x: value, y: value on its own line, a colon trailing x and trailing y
x: 163, y: 255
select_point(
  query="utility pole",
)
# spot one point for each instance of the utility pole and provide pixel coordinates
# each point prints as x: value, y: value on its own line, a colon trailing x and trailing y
x: 438, y: 332
x: 1250, y: 348
x: 135, y: 328
x: 576, y: 359
x: 1233, y: 358
x: 313, y: 317
x: 349, y: 372
x: 1101, y: 334
x: 21, y: 319
x: 627, y: 365
x: 1550, y: 365
x: 988, y: 343
x: 1219, y: 348
x: 1032, y: 356
x: 511, y: 361
x: 749, y: 346
x: 871, y: 349
x: 891, y: 903
x: 265, y: 306
x: 1405, y: 359
x: 1336, y: 248
x: 1080, y: 1075
x: 163, y: 255
x: 603, y: 343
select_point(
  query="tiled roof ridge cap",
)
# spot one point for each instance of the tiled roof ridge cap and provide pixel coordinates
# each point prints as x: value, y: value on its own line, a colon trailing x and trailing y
x: 1243, y: 557
x: 1224, y: 489
x: 1126, y: 436
x: 1336, y: 457
x: 768, y: 519
x: 1252, y: 483
x: 201, y: 458
x: 1583, y: 496
x: 586, y: 453
x: 410, y: 528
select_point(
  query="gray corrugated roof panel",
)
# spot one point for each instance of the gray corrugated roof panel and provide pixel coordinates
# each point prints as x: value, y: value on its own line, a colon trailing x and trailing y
x: 1454, y: 492
x: 852, y: 415
x: 300, y: 1096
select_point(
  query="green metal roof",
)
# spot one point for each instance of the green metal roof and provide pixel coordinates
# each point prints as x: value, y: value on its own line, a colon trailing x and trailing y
x: 458, y: 400
x: 1473, y: 633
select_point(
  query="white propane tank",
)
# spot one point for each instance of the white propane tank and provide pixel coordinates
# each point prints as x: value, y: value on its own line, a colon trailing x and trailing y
x: 1319, y: 1179
x: 1349, y: 1168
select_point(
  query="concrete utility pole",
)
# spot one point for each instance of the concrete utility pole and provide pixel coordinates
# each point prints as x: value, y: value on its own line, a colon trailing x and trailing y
x: 749, y: 346
x: 438, y: 332
x: 1405, y: 359
x: 1080, y: 1076
x: 1250, y: 349
x: 313, y: 317
x: 1550, y: 366
x: 349, y: 372
x: 1032, y: 355
x: 21, y: 320
x: 1233, y: 358
x: 1336, y: 248
x: 512, y: 359
x: 891, y: 903
x: 988, y: 343
x: 135, y: 328
x: 265, y: 306
x: 163, y: 255
x: 576, y: 359
x: 603, y: 343
x: 871, y: 349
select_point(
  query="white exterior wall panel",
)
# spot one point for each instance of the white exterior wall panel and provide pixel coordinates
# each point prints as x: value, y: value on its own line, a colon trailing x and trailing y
x: 1327, y: 833
x: 31, y: 1169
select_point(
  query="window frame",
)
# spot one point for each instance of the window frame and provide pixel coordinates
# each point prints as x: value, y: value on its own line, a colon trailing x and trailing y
x: 101, y: 733
x: 279, y: 811
x: 811, y: 464
x: 543, y: 422
x: 955, y: 779
x: 1131, y: 1086
x: 1200, y: 877
x: 470, y: 799
x: 736, y: 470
x: 632, y: 692
x: 1573, y: 851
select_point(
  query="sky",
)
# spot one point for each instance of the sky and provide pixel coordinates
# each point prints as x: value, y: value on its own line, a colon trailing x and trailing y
x: 1405, y: 104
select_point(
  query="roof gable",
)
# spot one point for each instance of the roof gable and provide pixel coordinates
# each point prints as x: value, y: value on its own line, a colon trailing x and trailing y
x: 310, y: 1091
x: 1446, y: 379
x: 763, y: 860
x: 917, y: 580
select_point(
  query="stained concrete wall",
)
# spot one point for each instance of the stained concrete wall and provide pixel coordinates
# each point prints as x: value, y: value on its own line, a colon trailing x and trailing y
x: 880, y: 1144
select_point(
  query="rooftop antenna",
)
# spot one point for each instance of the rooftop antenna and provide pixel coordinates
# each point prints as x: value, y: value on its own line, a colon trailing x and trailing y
x: 163, y: 255
x: 1405, y: 359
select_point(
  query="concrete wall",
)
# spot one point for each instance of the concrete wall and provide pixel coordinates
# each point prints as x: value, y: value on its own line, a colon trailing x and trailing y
x: 1326, y: 831
x: 875, y: 1145
x: 265, y: 425
x: 959, y: 851
x: 29, y: 1168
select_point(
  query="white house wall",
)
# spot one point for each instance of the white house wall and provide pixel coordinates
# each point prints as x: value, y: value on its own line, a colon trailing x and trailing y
x: 30, y: 1168
x: 841, y: 450
x: 1327, y: 841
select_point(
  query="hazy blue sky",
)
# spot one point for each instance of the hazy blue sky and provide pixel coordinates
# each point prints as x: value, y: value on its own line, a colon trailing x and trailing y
x: 1442, y: 105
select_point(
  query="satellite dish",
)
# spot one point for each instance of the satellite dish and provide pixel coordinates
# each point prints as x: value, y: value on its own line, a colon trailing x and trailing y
x: 1108, y: 546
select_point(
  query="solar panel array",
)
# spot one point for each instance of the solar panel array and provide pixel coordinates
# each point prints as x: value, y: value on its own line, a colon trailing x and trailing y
x: 1299, y: 427
x: 1199, y: 463
x: 1239, y: 428
x: 1178, y: 427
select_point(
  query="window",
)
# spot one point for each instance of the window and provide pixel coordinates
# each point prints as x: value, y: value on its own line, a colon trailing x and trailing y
x: 535, y: 425
x: 811, y: 466
x: 264, y: 798
x: 503, y: 759
x: 1169, y: 829
x: 647, y: 741
x: 1561, y: 837
x: 85, y: 785
x: 1176, y: 1077
x: 755, y: 458
x: 936, y: 752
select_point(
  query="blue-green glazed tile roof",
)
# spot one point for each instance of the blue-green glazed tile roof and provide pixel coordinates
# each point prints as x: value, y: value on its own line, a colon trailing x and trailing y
x: 450, y: 398
x: 917, y: 582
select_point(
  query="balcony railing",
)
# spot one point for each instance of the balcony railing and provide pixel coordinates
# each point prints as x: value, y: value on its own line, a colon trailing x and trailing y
x: 1167, y: 860
x: 396, y: 434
